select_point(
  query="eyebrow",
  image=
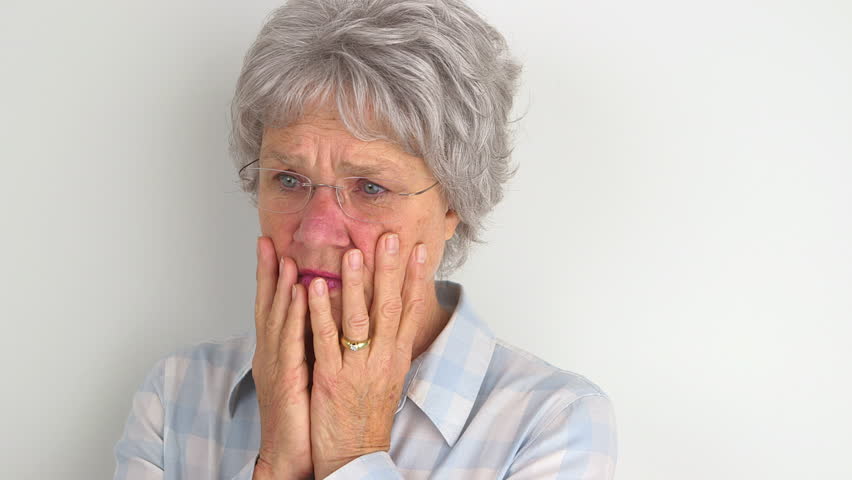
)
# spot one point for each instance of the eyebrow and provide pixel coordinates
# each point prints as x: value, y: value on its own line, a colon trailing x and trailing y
x: 388, y: 169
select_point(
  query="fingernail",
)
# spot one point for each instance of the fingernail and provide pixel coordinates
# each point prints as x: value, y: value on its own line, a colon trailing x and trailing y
x: 319, y: 286
x: 293, y: 292
x: 355, y: 259
x: 420, y: 254
x: 392, y: 244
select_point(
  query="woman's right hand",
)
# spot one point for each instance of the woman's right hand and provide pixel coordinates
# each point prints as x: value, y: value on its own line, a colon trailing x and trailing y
x: 280, y: 370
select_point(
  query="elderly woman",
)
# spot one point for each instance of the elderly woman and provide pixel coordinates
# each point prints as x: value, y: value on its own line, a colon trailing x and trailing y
x: 372, y: 137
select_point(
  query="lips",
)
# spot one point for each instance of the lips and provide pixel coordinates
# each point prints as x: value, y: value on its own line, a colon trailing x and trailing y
x: 307, y: 275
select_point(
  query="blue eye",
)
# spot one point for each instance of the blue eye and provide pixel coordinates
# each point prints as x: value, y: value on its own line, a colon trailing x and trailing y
x: 288, y: 181
x: 371, y: 188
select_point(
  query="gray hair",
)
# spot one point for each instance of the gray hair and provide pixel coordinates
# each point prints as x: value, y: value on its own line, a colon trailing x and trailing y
x: 428, y: 75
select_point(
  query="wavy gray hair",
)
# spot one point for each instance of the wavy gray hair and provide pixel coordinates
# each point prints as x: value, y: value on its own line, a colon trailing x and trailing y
x: 428, y: 75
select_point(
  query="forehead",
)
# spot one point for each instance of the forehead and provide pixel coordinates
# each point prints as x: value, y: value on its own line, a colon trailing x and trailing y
x: 321, y: 141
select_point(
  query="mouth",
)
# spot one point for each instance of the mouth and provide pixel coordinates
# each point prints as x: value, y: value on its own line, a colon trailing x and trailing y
x: 307, y: 275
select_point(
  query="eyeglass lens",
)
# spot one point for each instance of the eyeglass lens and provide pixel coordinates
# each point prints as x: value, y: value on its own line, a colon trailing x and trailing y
x: 365, y: 199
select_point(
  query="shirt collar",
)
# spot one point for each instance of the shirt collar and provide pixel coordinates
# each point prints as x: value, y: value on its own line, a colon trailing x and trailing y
x: 450, y: 372
x: 444, y: 380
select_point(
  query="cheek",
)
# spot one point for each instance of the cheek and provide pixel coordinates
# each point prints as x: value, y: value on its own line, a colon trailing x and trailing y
x: 422, y: 229
x: 364, y: 237
x: 429, y: 230
x: 426, y: 229
x: 279, y: 228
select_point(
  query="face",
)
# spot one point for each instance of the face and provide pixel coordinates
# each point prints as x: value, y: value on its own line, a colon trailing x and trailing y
x: 320, y: 148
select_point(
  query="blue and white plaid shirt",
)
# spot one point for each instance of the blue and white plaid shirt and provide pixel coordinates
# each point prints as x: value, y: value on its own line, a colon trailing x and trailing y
x: 473, y: 407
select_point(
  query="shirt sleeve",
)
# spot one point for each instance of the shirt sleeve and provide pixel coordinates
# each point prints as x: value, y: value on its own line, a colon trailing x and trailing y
x: 579, y: 443
x: 373, y: 466
x: 139, y: 451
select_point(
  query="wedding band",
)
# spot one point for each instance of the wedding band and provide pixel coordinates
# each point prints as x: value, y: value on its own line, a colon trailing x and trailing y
x: 354, y: 346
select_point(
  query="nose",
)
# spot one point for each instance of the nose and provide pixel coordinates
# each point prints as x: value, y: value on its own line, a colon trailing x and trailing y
x: 322, y: 221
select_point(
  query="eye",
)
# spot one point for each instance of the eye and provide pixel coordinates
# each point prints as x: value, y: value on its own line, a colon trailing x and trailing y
x: 371, y: 188
x: 288, y: 181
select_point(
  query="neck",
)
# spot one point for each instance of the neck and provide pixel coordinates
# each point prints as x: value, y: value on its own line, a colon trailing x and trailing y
x: 435, y: 321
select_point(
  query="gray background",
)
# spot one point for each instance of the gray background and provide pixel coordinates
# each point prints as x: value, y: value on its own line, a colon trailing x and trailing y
x: 679, y: 230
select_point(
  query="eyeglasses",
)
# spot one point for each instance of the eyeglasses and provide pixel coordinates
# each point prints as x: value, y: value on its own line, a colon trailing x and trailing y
x: 370, y: 200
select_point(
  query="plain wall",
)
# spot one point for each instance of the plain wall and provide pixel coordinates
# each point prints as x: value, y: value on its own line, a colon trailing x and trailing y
x: 679, y: 230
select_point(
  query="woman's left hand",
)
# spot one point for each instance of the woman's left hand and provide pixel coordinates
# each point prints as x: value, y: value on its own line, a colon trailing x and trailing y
x: 355, y: 393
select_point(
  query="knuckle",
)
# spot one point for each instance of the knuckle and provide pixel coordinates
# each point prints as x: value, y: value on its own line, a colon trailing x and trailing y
x: 326, y: 383
x: 271, y: 329
x: 359, y: 320
x: 417, y: 306
x: 321, y: 311
x: 317, y: 305
x: 383, y: 359
x: 264, y: 322
x: 389, y: 267
x: 354, y: 281
x: 391, y: 307
x: 327, y: 331
x: 404, y: 351
x: 292, y: 377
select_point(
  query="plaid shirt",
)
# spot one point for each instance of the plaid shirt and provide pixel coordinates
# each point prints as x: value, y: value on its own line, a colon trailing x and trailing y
x: 472, y: 407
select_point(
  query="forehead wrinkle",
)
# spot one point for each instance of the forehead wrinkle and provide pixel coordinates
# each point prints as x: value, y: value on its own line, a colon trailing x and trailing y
x: 346, y: 167
x: 368, y: 159
x: 368, y: 163
x: 288, y: 159
x: 287, y: 140
x: 369, y: 169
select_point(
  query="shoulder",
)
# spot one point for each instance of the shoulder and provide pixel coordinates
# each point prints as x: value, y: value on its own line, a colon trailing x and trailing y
x: 539, y: 391
x: 216, y: 363
x: 545, y: 405
x: 517, y: 369
x: 227, y: 352
x: 510, y: 369
x: 561, y: 423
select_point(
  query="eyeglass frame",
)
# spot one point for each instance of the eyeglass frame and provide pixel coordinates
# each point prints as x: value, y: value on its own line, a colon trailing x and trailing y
x: 336, y: 188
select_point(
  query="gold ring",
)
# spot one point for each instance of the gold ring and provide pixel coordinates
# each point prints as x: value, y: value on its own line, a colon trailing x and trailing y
x: 354, y: 346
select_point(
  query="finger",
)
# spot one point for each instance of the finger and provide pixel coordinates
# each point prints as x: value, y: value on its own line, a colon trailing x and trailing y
x: 292, y: 347
x: 387, y: 301
x: 263, y: 296
x: 356, y: 320
x: 267, y: 280
x: 326, y: 348
x: 413, y: 301
x: 280, y: 303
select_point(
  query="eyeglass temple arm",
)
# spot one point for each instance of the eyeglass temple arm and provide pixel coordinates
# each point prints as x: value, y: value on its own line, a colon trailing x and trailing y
x: 246, y: 165
x: 421, y: 191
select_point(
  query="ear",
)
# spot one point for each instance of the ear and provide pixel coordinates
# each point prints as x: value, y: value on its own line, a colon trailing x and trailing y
x: 451, y: 221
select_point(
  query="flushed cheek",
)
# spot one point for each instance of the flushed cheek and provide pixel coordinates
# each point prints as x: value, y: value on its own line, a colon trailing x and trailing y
x: 280, y: 229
